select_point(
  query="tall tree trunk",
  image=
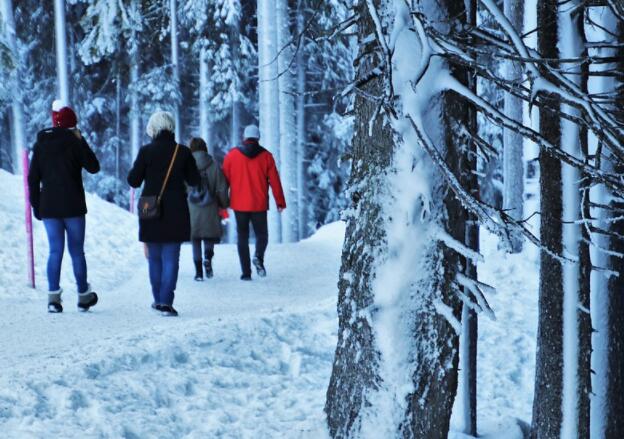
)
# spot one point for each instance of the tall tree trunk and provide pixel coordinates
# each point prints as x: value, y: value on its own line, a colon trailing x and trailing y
x: 470, y: 323
x: 175, y: 66
x: 301, y: 124
x: 61, y: 50
x: 614, y: 398
x: 547, y: 402
x: 287, y: 122
x: 513, y: 170
x: 269, y: 97
x: 576, y: 319
x: 135, y: 111
x: 395, y: 367
x: 117, y: 121
x: 18, y: 130
x: 205, y: 124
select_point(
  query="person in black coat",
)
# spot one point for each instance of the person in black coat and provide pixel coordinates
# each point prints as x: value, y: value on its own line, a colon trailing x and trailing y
x: 57, y: 197
x: 163, y: 236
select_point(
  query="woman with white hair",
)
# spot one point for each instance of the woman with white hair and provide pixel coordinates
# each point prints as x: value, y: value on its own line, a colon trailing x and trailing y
x: 164, y: 167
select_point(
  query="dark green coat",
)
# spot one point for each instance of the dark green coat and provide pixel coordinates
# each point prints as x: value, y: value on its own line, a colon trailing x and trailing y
x: 205, y: 221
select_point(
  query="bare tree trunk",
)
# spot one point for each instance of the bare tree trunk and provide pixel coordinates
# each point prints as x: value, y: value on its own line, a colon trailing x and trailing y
x: 287, y: 123
x: 513, y: 170
x: 301, y: 126
x: 175, y: 65
x: 61, y: 50
x: 614, y: 398
x: 547, y: 402
x: 269, y: 97
x: 205, y: 125
x: 18, y: 130
x: 470, y: 322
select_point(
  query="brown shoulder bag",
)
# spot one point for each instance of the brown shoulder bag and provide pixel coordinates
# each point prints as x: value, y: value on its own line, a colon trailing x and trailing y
x: 149, y: 207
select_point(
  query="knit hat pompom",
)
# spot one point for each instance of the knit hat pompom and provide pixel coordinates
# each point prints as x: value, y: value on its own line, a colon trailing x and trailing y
x: 158, y: 122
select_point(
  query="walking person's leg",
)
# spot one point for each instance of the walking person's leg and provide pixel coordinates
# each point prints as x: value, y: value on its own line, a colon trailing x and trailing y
x: 197, y: 259
x: 154, y: 259
x: 242, y: 230
x: 75, y: 228
x: 55, y: 230
x: 170, y: 266
x: 261, y: 230
x: 208, y: 254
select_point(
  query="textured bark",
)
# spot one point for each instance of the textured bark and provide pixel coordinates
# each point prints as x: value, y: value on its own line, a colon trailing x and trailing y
x: 584, y: 316
x: 547, y: 402
x: 356, y: 361
x: 470, y: 322
x: 614, y: 401
x: 513, y: 170
x: 301, y: 127
x: 357, y: 378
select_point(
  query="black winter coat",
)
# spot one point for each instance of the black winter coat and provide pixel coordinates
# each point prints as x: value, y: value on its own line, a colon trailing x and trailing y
x: 55, y: 174
x: 150, y: 167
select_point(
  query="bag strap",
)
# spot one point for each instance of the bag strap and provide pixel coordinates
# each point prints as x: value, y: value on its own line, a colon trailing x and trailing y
x: 162, y: 190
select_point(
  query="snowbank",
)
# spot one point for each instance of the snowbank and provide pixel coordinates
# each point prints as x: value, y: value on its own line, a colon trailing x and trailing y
x: 111, y: 244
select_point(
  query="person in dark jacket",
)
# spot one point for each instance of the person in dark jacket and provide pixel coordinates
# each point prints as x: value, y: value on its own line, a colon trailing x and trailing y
x: 205, y: 202
x: 163, y: 236
x: 250, y: 170
x: 57, y: 197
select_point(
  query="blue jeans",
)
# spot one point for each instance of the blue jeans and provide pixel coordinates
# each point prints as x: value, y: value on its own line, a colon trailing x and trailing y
x: 56, y: 229
x: 164, y: 262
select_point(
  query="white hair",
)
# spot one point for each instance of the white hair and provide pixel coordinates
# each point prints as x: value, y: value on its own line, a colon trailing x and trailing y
x: 160, y: 121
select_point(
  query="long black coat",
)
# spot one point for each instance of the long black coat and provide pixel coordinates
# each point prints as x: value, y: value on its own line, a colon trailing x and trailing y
x: 150, y: 167
x: 55, y: 174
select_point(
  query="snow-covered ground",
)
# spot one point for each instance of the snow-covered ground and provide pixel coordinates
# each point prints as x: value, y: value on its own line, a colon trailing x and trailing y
x: 243, y: 360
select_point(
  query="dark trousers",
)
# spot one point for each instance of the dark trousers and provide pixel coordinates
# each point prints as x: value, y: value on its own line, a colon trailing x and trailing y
x: 259, y: 222
x: 164, y: 263
x: 208, y: 249
x: 56, y: 228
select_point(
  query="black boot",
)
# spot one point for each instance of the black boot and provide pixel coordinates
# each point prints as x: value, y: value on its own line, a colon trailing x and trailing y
x: 208, y: 268
x: 86, y: 300
x: 199, y: 274
x: 259, y: 264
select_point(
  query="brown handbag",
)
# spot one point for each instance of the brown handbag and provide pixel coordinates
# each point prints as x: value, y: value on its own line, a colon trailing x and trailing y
x: 149, y: 207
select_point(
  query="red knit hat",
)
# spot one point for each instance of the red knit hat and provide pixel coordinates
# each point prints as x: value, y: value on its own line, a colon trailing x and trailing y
x: 64, y: 118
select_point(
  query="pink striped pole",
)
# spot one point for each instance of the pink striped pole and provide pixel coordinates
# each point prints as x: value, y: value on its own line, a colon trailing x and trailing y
x: 29, y: 225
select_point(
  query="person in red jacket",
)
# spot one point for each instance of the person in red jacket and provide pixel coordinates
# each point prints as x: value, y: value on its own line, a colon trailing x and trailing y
x: 250, y: 170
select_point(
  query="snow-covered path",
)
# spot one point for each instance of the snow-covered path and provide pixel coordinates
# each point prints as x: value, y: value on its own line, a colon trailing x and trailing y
x: 300, y: 277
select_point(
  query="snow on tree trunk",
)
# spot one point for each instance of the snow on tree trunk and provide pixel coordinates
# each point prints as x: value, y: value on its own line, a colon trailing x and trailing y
x: 577, y: 336
x: 287, y: 122
x: 18, y: 131
x: 205, y: 126
x: 547, y: 401
x: 470, y: 322
x: 395, y: 366
x: 513, y: 170
x: 61, y: 50
x: 269, y: 97
x: 301, y: 127
x: 614, y: 398
x: 175, y: 61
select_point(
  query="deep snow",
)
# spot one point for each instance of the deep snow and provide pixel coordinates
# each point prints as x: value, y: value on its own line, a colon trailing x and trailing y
x: 244, y: 360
